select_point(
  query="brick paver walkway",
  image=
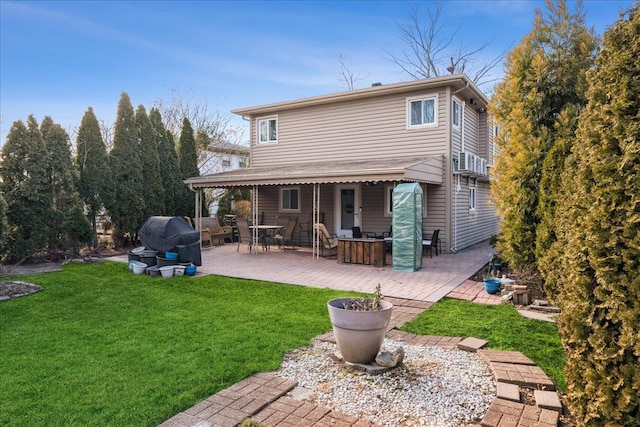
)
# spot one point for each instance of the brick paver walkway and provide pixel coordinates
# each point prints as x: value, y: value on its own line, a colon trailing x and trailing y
x: 265, y: 397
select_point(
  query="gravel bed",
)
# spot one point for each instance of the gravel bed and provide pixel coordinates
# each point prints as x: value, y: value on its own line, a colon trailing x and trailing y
x: 432, y: 387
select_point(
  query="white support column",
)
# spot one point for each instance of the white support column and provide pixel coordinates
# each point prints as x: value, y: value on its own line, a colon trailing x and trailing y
x: 254, y: 218
x: 198, y: 209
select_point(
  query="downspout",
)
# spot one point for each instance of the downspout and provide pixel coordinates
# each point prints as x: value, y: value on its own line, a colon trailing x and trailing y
x: 454, y: 249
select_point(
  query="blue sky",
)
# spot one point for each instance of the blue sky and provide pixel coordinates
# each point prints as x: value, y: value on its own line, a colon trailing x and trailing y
x: 58, y: 58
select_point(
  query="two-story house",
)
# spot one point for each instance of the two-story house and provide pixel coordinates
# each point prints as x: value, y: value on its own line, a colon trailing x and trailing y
x: 219, y: 157
x: 339, y: 156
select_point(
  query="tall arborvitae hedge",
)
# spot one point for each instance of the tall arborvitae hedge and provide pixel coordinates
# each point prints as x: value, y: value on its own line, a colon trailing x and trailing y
x: 4, y: 226
x: 188, y: 167
x: 127, y: 205
x: 94, y: 184
x: 151, y: 178
x: 61, y: 176
x: 597, y: 275
x: 544, y: 82
x: 169, y: 164
x: 25, y: 187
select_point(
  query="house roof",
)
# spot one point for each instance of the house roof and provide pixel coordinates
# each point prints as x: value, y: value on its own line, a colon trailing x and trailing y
x: 228, y: 148
x: 427, y: 170
x: 457, y: 82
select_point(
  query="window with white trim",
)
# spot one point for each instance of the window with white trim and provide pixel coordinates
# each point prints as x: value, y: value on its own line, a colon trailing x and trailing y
x: 268, y: 130
x: 388, y: 200
x: 242, y: 162
x: 472, y: 198
x: 289, y: 199
x: 421, y: 112
x: 456, y: 113
x: 226, y: 162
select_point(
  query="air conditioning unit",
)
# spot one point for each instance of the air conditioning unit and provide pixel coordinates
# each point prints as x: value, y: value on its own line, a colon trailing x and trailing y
x: 478, y: 163
x: 465, y: 162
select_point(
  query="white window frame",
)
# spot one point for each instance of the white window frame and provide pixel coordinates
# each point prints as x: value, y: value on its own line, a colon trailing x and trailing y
x: 473, y: 199
x: 431, y: 98
x: 282, y: 198
x: 456, y: 113
x: 242, y: 162
x: 268, y: 121
x: 388, y: 200
x: 226, y: 162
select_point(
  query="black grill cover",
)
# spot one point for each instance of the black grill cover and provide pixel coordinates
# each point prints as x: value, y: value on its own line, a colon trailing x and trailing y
x: 172, y: 234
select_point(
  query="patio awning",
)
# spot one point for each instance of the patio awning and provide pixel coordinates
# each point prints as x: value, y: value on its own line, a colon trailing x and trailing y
x: 426, y: 170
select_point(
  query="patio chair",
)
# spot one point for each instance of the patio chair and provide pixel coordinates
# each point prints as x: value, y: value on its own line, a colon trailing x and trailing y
x: 282, y: 239
x: 430, y: 244
x: 328, y: 241
x: 244, y: 234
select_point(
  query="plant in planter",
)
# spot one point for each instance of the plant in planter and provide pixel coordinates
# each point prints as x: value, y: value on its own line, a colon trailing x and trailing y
x: 359, y: 326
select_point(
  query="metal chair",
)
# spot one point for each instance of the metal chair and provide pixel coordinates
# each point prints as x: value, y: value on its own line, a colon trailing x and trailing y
x: 244, y: 234
x: 430, y: 244
x: 282, y: 239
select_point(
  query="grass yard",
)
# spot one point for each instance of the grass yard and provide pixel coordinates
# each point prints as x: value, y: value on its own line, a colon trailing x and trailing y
x: 502, y: 326
x: 99, y: 346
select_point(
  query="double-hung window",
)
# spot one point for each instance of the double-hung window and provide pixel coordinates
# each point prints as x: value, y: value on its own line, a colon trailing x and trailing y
x: 421, y: 111
x: 290, y: 199
x: 456, y: 113
x: 268, y: 130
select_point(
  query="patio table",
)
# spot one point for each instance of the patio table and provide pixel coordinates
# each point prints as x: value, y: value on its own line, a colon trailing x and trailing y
x: 264, y: 237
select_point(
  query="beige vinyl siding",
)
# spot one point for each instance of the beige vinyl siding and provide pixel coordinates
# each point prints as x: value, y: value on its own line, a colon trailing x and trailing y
x: 471, y: 133
x: 366, y: 129
x: 436, y: 214
x: 473, y: 226
x: 483, y: 137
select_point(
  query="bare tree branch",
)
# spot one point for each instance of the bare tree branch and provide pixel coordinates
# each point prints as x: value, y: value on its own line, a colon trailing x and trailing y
x: 431, y: 52
x: 346, y: 73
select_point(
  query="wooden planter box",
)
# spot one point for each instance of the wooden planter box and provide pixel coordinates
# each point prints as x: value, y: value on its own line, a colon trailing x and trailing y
x: 362, y: 251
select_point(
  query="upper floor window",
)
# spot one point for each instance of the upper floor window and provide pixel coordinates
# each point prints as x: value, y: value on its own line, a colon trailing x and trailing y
x: 226, y: 162
x: 421, y: 112
x: 456, y: 113
x: 268, y: 130
x: 290, y: 199
x: 242, y: 162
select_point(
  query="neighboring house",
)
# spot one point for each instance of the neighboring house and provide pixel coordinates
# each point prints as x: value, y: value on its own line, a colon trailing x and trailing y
x: 222, y: 157
x: 340, y: 156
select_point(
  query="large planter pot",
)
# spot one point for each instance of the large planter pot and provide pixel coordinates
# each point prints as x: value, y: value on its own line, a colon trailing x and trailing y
x: 359, y: 334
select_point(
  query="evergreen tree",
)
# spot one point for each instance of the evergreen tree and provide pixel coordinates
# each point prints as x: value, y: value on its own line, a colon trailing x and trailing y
x: 597, y: 276
x: 188, y: 167
x: 61, y: 176
x: 94, y: 183
x: 24, y: 185
x: 4, y: 226
x: 545, y: 81
x: 152, y: 180
x: 127, y: 205
x: 169, y: 165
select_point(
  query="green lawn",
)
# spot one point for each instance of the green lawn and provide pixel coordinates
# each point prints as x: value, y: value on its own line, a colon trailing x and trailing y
x: 502, y: 326
x: 101, y: 346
